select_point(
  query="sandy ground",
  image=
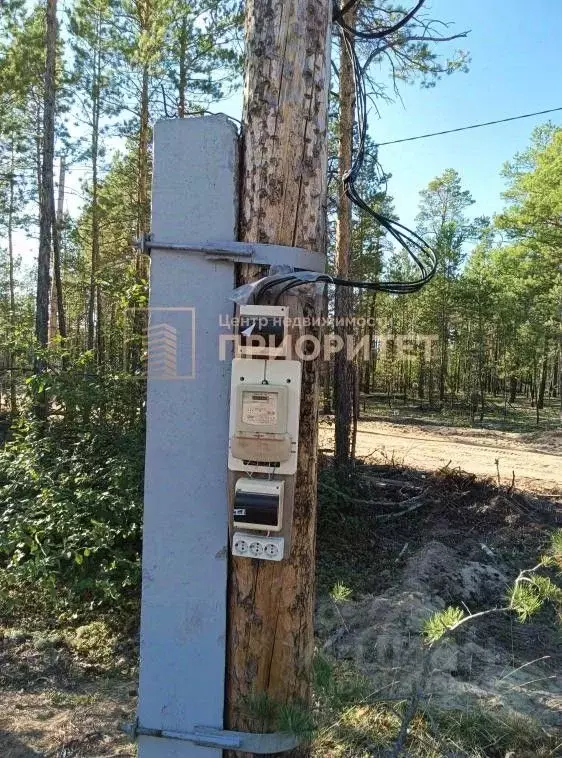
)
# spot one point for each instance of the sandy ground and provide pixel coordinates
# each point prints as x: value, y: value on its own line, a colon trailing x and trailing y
x: 536, y: 459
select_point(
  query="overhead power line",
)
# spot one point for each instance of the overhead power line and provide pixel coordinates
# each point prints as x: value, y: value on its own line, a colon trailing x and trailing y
x: 465, y: 128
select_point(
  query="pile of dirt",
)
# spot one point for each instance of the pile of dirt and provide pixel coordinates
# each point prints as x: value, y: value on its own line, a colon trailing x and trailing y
x: 462, y: 544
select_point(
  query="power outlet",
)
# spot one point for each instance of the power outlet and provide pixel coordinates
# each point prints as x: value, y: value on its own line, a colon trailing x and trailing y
x: 251, y: 546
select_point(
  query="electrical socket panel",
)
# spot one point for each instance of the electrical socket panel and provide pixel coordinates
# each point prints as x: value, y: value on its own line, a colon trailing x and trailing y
x: 252, y: 546
x: 264, y: 416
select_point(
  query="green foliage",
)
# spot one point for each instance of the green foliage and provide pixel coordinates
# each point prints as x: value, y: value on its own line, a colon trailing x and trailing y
x: 490, y: 317
x: 529, y: 593
x: 525, y: 600
x: 70, y: 502
x: 294, y: 718
x: 94, y: 642
x: 527, y: 597
x: 441, y: 622
x: 262, y: 710
x: 268, y: 715
x: 555, y: 551
x: 337, y: 686
x: 353, y: 720
x: 481, y: 732
x: 340, y: 592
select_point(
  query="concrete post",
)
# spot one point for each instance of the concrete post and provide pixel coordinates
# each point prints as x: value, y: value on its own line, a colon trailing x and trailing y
x: 183, y: 621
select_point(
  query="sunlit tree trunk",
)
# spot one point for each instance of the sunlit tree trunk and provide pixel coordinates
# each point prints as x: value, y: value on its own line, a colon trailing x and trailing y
x: 343, y: 308
x: 46, y: 204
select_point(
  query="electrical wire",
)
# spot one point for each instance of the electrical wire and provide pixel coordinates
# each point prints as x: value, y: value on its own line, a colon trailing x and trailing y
x: 419, y: 251
x: 337, y: 17
x: 466, y: 128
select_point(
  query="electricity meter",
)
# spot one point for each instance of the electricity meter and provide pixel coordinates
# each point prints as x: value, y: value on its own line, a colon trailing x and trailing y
x: 262, y: 331
x: 264, y: 416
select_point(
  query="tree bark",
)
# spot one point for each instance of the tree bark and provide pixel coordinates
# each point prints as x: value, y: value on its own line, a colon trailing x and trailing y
x: 512, y: 388
x: 343, y: 307
x: 560, y: 370
x: 11, y: 282
x: 283, y: 201
x: 182, y: 79
x: 94, y: 263
x: 57, y: 276
x: 140, y: 320
x: 46, y: 208
x: 544, y: 371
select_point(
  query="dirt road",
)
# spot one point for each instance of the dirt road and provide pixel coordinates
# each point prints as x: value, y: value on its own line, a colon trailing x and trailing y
x: 536, y: 459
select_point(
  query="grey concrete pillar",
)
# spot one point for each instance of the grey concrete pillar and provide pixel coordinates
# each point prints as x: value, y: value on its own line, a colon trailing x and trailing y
x: 183, y: 621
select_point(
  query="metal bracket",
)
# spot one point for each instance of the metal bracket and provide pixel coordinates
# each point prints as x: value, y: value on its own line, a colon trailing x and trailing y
x: 240, y: 252
x: 208, y: 736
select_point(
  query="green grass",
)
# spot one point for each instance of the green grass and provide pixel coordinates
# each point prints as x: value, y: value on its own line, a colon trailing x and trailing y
x: 354, y: 721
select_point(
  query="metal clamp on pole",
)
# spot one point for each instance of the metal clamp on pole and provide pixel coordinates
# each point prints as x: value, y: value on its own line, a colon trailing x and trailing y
x: 207, y: 736
x: 240, y: 252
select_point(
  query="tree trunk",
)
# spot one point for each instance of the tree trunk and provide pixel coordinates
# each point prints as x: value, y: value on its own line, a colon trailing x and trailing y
x: 94, y: 263
x: 544, y: 371
x: 46, y: 207
x: 182, y: 78
x: 560, y: 370
x: 140, y: 320
x: 512, y: 388
x: 372, y: 333
x: 443, y: 368
x: 421, y: 371
x: 12, y: 284
x: 57, y: 226
x: 343, y: 307
x: 283, y: 201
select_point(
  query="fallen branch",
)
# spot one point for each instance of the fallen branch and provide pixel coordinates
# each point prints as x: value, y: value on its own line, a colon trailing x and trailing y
x: 414, y: 503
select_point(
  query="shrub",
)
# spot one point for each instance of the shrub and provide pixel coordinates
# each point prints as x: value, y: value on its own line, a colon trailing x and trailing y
x: 70, y: 506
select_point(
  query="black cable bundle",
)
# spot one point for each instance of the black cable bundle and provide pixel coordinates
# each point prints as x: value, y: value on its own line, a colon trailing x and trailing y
x: 419, y: 251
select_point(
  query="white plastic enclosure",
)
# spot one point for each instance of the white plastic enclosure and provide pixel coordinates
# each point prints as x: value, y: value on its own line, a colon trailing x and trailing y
x: 263, y: 331
x: 264, y: 416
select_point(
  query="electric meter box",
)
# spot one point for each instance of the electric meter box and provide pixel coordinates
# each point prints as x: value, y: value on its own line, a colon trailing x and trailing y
x: 258, y: 504
x: 264, y: 416
x: 262, y: 331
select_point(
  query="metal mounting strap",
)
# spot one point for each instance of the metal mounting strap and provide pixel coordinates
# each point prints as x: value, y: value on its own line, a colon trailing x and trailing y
x: 207, y: 736
x: 241, y: 252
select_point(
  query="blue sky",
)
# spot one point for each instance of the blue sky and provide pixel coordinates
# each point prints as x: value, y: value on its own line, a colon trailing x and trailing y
x: 516, y: 68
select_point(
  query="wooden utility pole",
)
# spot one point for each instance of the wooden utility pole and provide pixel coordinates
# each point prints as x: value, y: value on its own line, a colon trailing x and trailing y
x: 283, y: 201
x: 344, y: 375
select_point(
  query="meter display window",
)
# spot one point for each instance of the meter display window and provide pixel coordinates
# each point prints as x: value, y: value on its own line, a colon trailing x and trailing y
x: 262, y: 409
